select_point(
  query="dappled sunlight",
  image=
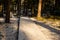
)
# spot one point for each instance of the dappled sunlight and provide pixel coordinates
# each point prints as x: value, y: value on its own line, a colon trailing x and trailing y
x: 31, y: 30
x: 8, y: 30
x: 29, y: 20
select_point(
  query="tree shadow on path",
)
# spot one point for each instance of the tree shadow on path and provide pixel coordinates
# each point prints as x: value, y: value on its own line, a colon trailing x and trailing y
x: 9, y: 31
x: 48, y: 27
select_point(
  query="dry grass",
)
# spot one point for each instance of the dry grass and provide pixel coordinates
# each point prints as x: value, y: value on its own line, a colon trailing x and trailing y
x: 52, y: 21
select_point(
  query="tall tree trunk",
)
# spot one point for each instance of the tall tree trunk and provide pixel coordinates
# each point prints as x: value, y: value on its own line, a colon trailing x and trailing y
x: 19, y: 7
x: 39, y: 9
x: 7, y: 11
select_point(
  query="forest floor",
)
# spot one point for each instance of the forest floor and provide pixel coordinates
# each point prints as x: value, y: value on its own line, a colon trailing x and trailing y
x: 30, y: 29
x: 8, y: 31
x: 55, y: 23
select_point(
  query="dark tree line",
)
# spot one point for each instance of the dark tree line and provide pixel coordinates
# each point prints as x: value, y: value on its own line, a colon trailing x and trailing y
x: 38, y: 7
x: 48, y: 6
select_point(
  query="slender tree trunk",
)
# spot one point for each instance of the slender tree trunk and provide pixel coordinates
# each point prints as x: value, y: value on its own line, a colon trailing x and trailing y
x: 32, y: 10
x: 7, y: 11
x: 39, y: 9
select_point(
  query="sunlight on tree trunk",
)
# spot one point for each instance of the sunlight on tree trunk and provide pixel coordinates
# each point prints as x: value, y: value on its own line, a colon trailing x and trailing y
x: 39, y: 10
x: 0, y: 8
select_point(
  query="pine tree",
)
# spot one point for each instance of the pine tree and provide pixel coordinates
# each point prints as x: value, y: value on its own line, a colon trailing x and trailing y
x: 39, y: 10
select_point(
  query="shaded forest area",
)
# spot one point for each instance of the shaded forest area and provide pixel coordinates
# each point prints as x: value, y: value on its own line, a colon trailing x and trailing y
x: 49, y: 7
x: 30, y: 7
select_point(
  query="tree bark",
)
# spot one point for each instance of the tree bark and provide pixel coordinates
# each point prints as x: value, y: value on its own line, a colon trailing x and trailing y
x: 39, y: 9
x: 7, y: 11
